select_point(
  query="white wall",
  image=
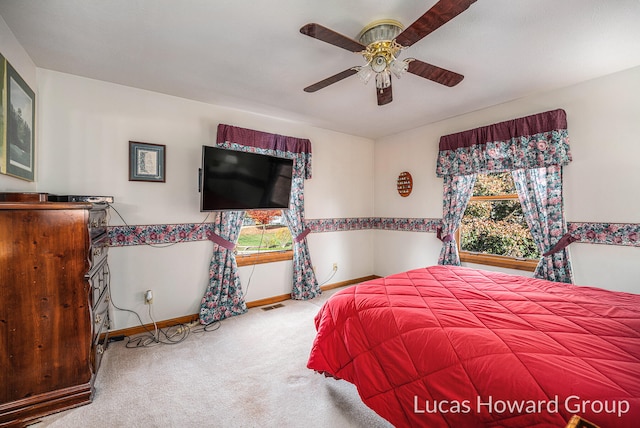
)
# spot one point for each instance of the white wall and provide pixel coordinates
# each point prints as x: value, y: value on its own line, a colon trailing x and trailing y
x: 18, y: 58
x: 415, y: 152
x: 600, y: 184
x: 85, y: 126
x: 342, y: 187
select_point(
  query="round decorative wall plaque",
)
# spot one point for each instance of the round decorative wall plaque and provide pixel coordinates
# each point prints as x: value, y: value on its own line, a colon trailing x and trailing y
x: 405, y: 184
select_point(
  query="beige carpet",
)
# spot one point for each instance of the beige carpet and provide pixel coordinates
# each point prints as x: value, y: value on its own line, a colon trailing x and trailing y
x: 251, y: 372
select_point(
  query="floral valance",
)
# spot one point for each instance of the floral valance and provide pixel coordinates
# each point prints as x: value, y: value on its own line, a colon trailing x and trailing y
x: 533, y: 141
x: 244, y: 139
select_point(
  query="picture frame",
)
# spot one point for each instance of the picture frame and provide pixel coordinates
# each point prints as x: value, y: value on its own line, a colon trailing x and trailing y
x: 19, y: 126
x: 3, y: 143
x: 147, y: 162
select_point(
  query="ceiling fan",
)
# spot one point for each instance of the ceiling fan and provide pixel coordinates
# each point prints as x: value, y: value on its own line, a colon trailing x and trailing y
x: 380, y: 44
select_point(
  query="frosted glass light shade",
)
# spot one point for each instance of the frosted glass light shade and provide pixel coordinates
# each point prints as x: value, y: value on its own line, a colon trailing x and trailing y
x: 365, y: 73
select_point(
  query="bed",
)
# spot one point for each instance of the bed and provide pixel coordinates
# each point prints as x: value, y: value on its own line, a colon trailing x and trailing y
x: 460, y: 347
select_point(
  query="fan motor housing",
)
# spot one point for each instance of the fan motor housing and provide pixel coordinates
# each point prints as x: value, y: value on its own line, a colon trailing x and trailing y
x: 381, y: 30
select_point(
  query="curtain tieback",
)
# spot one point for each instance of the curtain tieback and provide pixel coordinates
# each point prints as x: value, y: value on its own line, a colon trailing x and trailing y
x: 446, y: 238
x: 224, y: 243
x: 562, y: 244
x: 302, y: 235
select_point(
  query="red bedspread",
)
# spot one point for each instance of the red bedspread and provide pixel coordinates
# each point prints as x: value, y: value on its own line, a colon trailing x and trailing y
x: 453, y: 346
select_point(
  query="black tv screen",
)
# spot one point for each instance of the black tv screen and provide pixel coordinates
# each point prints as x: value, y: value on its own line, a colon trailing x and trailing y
x: 235, y: 180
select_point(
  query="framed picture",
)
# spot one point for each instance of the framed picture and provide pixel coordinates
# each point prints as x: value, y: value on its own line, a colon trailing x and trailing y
x: 146, y: 162
x: 19, y: 124
x: 3, y: 143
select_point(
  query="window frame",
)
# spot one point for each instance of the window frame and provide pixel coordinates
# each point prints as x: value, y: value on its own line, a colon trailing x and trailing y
x: 494, y: 259
x: 262, y: 257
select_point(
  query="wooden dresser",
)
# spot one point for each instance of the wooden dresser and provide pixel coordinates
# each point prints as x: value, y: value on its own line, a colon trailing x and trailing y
x: 54, y: 304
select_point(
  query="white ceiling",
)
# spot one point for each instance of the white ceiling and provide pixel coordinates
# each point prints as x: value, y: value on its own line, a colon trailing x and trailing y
x: 251, y: 55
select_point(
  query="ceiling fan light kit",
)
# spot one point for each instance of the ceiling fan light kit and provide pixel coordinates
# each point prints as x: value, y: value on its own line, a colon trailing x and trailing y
x: 381, y: 53
x: 381, y: 42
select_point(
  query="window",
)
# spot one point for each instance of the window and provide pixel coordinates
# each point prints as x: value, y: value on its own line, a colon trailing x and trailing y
x: 493, y: 230
x: 264, y: 238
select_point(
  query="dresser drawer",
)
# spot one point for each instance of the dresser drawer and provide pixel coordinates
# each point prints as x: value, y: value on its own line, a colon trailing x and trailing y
x: 101, y: 324
x: 96, y: 355
x: 100, y: 342
x: 100, y: 315
x: 98, y: 252
x: 98, y: 222
x: 99, y: 281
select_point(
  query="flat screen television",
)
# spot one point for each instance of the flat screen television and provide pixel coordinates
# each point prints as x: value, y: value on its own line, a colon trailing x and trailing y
x: 235, y: 180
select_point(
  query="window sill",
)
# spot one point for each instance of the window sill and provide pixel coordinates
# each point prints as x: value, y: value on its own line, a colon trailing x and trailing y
x: 499, y: 261
x: 259, y: 258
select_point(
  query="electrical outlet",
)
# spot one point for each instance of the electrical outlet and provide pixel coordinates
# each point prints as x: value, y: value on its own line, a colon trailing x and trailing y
x: 335, y: 265
x: 148, y: 297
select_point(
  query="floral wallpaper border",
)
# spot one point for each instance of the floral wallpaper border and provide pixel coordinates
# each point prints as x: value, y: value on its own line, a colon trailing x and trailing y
x: 157, y: 234
x: 380, y: 223
x: 626, y: 234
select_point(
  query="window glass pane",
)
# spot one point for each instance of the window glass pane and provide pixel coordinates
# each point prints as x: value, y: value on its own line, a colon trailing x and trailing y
x: 264, y: 231
x: 494, y: 184
x: 497, y: 227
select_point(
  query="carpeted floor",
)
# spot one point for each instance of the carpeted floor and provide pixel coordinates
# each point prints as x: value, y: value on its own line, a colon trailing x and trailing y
x: 251, y: 372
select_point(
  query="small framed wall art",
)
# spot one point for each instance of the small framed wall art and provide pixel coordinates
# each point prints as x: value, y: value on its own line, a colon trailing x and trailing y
x: 147, y: 162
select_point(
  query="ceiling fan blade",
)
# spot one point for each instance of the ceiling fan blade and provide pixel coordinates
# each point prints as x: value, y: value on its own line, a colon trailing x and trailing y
x: 385, y: 96
x: 319, y: 32
x: 441, y: 13
x: 330, y: 80
x: 437, y: 74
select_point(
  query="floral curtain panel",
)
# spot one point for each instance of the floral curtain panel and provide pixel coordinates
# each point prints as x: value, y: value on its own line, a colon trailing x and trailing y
x: 305, y: 284
x: 540, y: 194
x: 457, y: 192
x: 539, y: 142
x: 223, y: 297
